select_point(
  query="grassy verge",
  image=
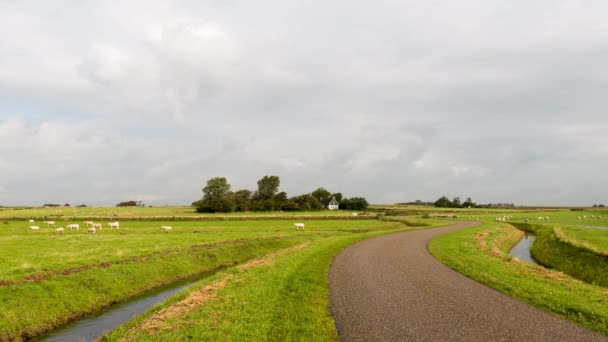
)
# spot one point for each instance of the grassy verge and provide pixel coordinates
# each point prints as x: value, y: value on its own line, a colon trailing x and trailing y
x: 31, y: 308
x: 285, y: 300
x: 481, y: 254
x: 555, y: 250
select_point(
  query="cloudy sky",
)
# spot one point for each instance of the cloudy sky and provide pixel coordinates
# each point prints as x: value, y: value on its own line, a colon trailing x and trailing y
x: 503, y: 101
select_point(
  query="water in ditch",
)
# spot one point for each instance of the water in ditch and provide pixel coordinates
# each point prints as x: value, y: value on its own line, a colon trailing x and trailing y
x: 93, y: 327
x: 522, y: 249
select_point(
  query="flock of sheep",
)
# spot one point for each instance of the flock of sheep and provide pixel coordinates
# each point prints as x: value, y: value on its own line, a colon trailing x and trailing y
x: 584, y: 217
x: 92, y: 227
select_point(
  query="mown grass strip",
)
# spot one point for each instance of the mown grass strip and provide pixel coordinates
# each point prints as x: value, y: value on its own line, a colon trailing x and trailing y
x: 549, y: 290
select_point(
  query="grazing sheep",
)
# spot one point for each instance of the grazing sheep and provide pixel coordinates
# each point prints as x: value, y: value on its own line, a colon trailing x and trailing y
x: 34, y: 227
x: 540, y: 218
x: 49, y: 223
x: 355, y: 214
x: 166, y: 228
x: 97, y: 226
x: 547, y: 218
x: 91, y: 230
x: 114, y: 225
x: 88, y: 223
x: 74, y: 226
x: 299, y: 226
x: 59, y: 230
x: 31, y: 221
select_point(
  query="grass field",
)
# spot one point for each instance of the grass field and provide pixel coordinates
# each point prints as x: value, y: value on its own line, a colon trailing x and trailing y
x: 481, y: 253
x: 48, y: 279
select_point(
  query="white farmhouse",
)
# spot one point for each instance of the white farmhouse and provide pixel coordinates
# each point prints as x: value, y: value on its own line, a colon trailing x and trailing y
x: 333, y: 204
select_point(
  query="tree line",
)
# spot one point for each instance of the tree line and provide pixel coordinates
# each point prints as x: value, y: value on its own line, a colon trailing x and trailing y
x: 218, y: 197
x: 445, y: 202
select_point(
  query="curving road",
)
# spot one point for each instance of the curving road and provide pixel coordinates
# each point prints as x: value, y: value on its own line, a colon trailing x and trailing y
x: 391, y: 289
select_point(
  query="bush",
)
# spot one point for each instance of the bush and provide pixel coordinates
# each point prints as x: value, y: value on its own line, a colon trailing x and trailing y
x: 127, y: 204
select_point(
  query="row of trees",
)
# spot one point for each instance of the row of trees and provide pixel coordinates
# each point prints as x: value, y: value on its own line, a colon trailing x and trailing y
x: 445, y: 202
x: 218, y: 197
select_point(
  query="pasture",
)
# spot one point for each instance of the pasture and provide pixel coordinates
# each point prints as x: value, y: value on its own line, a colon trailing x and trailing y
x: 49, y: 278
x: 573, y: 283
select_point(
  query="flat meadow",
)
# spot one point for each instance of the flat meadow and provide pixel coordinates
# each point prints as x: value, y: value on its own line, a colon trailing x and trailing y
x: 48, y: 279
x: 260, y: 278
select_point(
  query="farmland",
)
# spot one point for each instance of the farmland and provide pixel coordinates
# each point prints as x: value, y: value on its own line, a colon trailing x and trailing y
x: 259, y: 277
x: 48, y: 278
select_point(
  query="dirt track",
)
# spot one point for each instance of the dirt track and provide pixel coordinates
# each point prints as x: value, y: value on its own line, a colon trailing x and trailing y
x: 391, y: 289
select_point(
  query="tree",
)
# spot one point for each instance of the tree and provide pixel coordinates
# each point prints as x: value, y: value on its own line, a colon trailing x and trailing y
x: 456, y: 202
x: 268, y: 186
x: 216, y: 196
x: 127, y: 204
x: 322, y: 195
x: 443, y: 202
x: 468, y: 203
x: 338, y: 196
x: 354, y: 203
x: 216, y: 188
x: 241, y: 199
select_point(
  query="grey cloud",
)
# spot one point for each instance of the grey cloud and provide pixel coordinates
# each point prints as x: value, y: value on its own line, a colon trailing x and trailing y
x: 392, y: 100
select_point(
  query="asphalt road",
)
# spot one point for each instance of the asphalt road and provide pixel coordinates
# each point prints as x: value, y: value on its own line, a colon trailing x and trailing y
x: 391, y: 289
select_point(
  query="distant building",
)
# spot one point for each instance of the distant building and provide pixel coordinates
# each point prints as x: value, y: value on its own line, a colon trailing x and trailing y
x: 333, y: 204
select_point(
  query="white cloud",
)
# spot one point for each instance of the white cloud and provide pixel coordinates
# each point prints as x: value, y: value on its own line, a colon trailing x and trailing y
x: 391, y: 100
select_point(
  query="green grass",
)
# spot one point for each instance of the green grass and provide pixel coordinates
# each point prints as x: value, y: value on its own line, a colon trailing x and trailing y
x: 593, y: 239
x: 285, y: 301
x: 47, y: 279
x: 564, y: 254
x: 546, y: 289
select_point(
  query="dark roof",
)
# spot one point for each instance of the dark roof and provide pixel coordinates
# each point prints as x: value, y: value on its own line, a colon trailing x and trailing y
x: 333, y: 201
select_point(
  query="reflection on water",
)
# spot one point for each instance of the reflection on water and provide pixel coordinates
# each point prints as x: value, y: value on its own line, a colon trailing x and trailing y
x: 522, y: 249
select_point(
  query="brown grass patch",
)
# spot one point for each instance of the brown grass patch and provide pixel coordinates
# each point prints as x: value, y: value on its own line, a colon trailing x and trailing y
x: 159, y: 321
x: 269, y: 258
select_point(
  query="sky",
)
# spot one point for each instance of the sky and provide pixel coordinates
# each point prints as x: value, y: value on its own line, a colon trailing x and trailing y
x: 392, y: 100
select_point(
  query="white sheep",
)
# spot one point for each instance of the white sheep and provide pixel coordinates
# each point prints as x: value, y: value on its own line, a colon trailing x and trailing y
x: 34, y: 227
x: 299, y: 226
x: 59, y: 230
x: 31, y: 221
x: 114, y: 225
x: 88, y: 223
x: 91, y: 230
x: 74, y: 226
x: 540, y: 218
x: 49, y: 223
x: 547, y: 218
x: 97, y: 226
x: 166, y: 228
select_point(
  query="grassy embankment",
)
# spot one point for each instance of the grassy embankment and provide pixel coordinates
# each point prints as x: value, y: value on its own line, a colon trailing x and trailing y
x: 481, y: 253
x: 47, y: 279
x: 560, y: 248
